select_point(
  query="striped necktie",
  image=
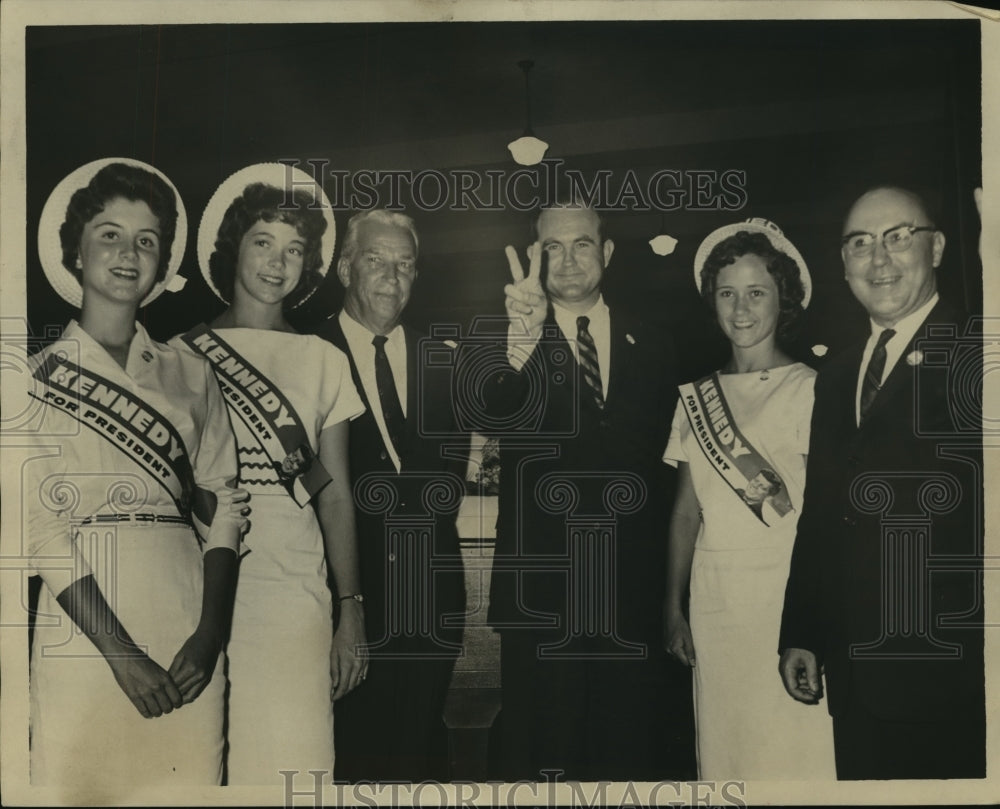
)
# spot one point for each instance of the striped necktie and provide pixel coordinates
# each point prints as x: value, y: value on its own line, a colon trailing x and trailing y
x: 872, y: 382
x: 587, y: 353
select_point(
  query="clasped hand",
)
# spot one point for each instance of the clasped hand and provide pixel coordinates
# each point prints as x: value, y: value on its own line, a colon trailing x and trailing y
x: 194, y: 665
x: 155, y: 691
x: 148, y: 686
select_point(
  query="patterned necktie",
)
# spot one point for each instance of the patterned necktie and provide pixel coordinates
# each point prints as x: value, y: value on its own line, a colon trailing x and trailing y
x: 872, y: 382
x: 392, y: 410
x: 587, y: 352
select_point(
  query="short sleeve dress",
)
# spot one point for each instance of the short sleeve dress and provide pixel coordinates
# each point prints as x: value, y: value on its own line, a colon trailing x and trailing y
x: 92, y: 509
x: 280, y: 706
x: 747, y: 725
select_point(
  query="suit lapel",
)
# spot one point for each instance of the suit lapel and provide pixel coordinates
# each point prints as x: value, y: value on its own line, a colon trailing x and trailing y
x: 836, y: 396
x: 410, y: 342
x: 846, y: 390
x: 553, y: 336
x: 560, y: 342
x: 618, y: 359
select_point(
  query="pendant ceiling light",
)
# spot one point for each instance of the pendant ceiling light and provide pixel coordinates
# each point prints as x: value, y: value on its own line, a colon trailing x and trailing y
x: 527, y: 150
x: 663, y: 245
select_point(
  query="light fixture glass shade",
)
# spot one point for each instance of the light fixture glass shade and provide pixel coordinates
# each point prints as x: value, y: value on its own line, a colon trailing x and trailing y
x: 527, y: 150
x: 663, y: 245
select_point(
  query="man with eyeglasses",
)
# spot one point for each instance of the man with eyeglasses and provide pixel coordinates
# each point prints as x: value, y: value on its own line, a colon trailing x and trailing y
x: 884, y: 595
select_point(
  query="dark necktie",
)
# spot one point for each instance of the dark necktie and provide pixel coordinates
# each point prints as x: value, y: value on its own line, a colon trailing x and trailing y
x: 392, y: 411
x: 873, y: 374
x: 588, y: 361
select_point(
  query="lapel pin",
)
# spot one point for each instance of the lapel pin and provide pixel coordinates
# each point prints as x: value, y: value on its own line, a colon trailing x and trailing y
x: 819, y: 350
x: 915, y: 357
x: 631, y: 339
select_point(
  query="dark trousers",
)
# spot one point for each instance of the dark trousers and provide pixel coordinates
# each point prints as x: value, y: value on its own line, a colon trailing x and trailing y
x: 585, y: 719
x: 869, y: 748
x: 390, y: 728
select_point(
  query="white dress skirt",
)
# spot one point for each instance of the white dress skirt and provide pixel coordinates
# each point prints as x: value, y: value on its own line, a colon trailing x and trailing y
x: 86, y: 735
x: 747, y: 726
x: 280, y: 710
x: 85, y: 731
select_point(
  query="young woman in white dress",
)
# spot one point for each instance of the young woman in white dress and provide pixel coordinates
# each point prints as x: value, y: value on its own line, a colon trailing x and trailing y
x: 265, y: 245
x: 739, y: 439
x: 134, y: 455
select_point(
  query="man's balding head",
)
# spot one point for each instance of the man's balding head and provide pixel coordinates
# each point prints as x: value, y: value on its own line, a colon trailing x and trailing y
x: 890, y: 249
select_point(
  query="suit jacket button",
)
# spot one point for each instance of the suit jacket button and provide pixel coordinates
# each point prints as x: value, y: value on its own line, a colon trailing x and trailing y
x: 392, y: 557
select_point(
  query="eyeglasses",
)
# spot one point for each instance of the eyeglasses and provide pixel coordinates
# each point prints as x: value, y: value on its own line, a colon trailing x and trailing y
x: 895, y: 240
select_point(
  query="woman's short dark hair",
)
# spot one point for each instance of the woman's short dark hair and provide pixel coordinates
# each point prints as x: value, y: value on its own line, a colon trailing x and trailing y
x: 782, y: 267
x: 268, y: 203
x: 125, y: 181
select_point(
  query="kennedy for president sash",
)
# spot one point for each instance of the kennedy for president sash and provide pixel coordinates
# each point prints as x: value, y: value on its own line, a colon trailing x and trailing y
x: 130, y: 425
x: 269, y: 416
x: 726, y: 448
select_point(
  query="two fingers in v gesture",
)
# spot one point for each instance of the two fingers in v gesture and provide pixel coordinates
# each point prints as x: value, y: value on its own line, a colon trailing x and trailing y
x: 526, y: 302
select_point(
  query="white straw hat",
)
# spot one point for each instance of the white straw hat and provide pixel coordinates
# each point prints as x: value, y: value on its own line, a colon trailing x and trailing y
x: 54, y: 214
x: 278, y: 175
x: 755, y: 225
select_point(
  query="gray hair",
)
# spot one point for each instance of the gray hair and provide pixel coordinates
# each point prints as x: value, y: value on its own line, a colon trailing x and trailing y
x: 382, y: 217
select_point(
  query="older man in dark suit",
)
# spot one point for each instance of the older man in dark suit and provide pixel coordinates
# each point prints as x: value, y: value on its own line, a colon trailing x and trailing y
x: 406, y: 465
x: 885, y: 592
x: 581, y: 396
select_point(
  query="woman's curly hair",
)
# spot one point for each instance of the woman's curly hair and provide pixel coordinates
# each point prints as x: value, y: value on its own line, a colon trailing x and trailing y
x: 268, y: 203
x: 114, y: 181
x: 782, y: 268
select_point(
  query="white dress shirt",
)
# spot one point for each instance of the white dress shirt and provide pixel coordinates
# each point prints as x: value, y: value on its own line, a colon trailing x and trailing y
x: 599, y: 328
x: 359, y: 341
x: 905, y: 329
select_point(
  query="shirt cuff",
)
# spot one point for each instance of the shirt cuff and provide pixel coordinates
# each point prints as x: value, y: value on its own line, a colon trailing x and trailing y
x: 520, y: 347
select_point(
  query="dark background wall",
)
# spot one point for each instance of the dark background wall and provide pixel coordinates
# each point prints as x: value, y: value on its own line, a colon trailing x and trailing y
x: 813, y: 113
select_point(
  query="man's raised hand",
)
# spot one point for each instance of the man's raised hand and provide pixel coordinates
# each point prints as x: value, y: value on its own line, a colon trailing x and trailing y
x: 526, y: 302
